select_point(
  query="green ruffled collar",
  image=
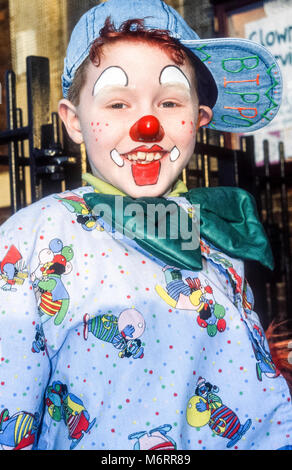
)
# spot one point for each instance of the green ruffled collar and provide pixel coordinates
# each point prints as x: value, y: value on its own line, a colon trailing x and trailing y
x: 228, y: 219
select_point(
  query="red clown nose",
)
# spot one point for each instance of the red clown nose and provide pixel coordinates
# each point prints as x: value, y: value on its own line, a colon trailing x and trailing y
x: 147, y: 129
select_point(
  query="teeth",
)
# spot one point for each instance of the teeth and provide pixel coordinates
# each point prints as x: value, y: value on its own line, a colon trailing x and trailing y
x: 149, y: 157
x: 141, y: 155
x: 117, y: 158
x: 174, y: 154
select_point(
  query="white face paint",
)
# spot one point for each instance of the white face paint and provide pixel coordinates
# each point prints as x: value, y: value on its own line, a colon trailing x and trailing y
x: 107, y: 111
x: 173, y: 75
x: 112, y: 76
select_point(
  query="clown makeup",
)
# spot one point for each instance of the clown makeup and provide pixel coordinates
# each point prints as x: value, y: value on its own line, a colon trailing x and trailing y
x: 173, y: 75
x: 137, y: 116
x: 112, y: 76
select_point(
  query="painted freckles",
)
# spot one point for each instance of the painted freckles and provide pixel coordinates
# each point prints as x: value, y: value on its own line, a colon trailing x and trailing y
x: 189, y: 127
x: 97, y: 128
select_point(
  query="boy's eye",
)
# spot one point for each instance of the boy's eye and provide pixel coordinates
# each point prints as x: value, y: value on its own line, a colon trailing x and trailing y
x: 169, y: 104
x: 118, y: 106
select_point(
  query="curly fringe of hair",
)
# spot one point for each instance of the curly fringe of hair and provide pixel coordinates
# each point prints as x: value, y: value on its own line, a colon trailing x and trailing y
x: 134, y: 29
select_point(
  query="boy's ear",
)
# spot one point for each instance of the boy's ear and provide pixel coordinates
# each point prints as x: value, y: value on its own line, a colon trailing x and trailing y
x: 68, y: 113
x: 205, y: 116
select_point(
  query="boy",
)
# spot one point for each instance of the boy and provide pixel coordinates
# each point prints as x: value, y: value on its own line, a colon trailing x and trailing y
x: 118, y: 341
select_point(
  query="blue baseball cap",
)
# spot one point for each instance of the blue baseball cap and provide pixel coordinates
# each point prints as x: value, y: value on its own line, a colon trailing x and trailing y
x: 247, y: 76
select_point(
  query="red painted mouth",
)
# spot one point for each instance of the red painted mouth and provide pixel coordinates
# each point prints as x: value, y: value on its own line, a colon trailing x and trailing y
x: 146, y: 174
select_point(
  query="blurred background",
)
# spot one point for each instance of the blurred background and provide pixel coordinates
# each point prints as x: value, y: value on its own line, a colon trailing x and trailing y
x: 37, y: 158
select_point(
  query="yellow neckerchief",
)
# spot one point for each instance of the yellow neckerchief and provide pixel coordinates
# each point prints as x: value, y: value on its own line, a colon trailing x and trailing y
x: 101, y: 186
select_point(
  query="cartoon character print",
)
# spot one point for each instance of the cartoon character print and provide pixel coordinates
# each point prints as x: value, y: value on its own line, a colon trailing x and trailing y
x: 39, y: 343
x: 189, y: 294
x: 84, y: 215
x: 205, y: 407
x: 247, y: 299
x: 156, y: 439
x: 51, y: 294
x: 18, y: 432
x: 264, y: 363
x: 226, y: 268
x: 122, y: 332
x: 12, y: 270
x: 62, y: 405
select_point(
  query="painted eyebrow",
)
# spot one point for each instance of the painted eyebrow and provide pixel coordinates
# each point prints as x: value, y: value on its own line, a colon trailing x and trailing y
x: 172, y: 74
x: 111, y: 76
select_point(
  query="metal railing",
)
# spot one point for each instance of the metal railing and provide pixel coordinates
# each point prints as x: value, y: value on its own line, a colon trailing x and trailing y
x: 49, y: 161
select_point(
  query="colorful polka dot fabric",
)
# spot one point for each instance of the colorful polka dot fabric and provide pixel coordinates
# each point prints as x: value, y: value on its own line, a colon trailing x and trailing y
x: 103, y: 346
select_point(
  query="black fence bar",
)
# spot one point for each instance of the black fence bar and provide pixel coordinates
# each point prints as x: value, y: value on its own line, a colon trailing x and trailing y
x: 285, y: 242
x: 12, y: 145
x: 38, y: 106
x: 14, y: 135
x: 22, y: 161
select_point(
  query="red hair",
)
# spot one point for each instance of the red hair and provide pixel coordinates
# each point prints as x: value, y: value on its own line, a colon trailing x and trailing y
x: 133, y: 29
x: 281, y: 349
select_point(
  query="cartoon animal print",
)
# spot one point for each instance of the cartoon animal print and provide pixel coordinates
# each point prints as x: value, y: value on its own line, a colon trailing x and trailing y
x: 52, y: 296
x: 205, y: 407
x: 67, y: 407
x: 18, y: 432
x: 12, y: 269
x: 122, y: 332
x: 189, y: 294
x: 39, y: 343
x: 84, y: 216
x: 156, y: 439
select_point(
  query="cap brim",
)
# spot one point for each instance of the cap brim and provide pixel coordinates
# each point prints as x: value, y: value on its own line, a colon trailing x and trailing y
x: 248, y: 81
